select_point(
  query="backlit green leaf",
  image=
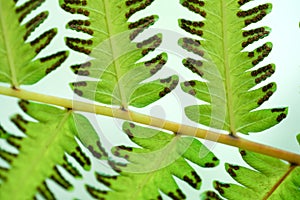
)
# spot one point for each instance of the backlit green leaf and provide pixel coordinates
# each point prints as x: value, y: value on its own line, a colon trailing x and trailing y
x: 43, y: 148
x: 17, y: 54
x: 151, y: 167
x: 229, y: 69
x: 270, y: 178
x: 121, y: 77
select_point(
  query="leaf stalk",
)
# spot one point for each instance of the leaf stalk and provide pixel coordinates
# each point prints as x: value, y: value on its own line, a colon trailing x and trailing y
x: 156, y: 122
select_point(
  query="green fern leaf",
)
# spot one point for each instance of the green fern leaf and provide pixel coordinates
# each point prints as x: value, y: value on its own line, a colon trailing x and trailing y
x: 270, y: 179
x: 17, y: 54
x: 39, y: 154
x: 115, y: 64
x: 151, y: 166
x: 230, y: 72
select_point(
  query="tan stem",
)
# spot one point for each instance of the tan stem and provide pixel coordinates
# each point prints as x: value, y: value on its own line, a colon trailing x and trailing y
x: 156, y: 122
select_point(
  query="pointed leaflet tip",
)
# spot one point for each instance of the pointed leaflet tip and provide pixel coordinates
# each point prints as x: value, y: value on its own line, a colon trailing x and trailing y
x: 276, y: 179
x: 88, y: 136
x: 28, y: 70
x: 228, y: 89
x: 149, y: 92
x: 120, y: 78
x: 24, y: 71
x: 47, y: 150
x: 160, y: 155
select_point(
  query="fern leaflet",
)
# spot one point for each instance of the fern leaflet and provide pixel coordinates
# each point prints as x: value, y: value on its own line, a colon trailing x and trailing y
x: 151, y: 166
x: 230, y: 72
x: 114, y: 57
x: 270, y: 178
x: 14, y: 45
x: 43, y: 152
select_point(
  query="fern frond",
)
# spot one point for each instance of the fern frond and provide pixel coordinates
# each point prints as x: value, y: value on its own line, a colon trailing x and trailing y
x: 17, y: 53
x: 43, y: 152
x: 270, y: 178
x: 150, y: 168
x: 115, y: 64
x: 230, y: 70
